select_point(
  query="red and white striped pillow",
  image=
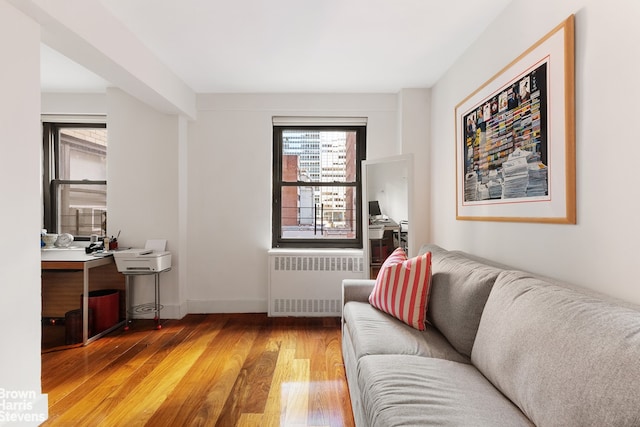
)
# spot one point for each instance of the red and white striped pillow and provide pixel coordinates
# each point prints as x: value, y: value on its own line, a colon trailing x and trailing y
x: 402, y: 288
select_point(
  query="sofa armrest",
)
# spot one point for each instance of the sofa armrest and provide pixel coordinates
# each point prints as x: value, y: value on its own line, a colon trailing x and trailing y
x: 356, y: 290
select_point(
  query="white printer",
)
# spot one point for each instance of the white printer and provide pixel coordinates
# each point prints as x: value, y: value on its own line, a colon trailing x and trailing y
x: 141, y: 260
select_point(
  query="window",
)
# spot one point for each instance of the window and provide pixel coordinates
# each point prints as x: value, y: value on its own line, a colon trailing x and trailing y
x: 317, y: 191
x: 74, y: 178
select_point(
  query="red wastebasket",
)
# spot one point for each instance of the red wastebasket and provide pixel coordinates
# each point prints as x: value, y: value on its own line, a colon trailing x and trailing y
x: 105, y: 304
x: 379, y: 253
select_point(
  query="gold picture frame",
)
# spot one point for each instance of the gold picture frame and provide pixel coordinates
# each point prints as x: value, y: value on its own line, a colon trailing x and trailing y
x: 515, y: 138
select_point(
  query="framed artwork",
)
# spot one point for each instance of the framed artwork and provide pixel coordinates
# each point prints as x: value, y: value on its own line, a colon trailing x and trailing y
x: 515, y: 138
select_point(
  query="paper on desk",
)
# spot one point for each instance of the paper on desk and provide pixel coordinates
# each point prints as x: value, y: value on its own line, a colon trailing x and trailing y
x: 156, y: 244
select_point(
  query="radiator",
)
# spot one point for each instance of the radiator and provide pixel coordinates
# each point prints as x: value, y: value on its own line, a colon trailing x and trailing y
x: 309, y: 283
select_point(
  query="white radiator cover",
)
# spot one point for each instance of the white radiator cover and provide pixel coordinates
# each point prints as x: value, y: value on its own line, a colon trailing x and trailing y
x: 308, y: 283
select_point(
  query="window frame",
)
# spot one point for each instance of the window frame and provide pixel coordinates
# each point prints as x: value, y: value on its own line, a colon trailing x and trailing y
x: 277, y: 241
x: 51, y: 168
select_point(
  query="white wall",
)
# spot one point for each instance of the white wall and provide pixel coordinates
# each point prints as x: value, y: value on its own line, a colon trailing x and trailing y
x: 143, y: 172
x: 206, y: 185
x: 20, y: 176
x: 74, y: 103
x: 599, y: 252
x: 230, y: 163
x: 414, y: 124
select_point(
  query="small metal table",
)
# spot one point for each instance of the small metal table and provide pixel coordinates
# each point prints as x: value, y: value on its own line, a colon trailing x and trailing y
x: 143, y: 308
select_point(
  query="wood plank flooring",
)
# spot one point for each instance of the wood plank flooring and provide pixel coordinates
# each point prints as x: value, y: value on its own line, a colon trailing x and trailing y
x: 204, y: 370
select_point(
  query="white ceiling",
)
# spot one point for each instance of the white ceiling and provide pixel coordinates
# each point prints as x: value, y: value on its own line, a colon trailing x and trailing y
x: 376, y: 46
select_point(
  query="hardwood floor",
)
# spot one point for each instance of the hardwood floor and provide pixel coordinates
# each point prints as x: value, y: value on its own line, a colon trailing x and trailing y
x: 203, y: 370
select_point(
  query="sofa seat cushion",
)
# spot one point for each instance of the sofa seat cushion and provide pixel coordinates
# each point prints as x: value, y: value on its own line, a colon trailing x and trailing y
x: 400, y: 390
x: 375, y: 332
x: 563, y: 356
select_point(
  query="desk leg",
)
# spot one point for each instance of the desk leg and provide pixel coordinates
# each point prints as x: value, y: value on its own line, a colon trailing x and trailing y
x: 85, y: 304
x: 127, y: 308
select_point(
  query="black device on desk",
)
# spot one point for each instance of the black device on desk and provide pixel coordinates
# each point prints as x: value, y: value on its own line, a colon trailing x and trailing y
x: 375, y: 214
x: 94, y: 247
x: 374, y: 208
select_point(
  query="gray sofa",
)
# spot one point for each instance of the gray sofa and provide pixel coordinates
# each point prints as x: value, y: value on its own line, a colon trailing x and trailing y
x: 501, y: 348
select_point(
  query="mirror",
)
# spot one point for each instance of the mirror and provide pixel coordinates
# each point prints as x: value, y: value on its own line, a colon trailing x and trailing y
x: 387, y: 181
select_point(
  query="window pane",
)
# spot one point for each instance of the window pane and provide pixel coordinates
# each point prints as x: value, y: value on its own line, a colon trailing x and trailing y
x: 318, y: 212
x: 317, y: 198
x: 83, y: 154
x: 318, y: 156
x: 82, y: 209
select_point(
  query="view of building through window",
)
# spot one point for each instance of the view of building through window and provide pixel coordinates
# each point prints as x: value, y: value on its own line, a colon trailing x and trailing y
x: 325, y: 207
x: 82, y: 156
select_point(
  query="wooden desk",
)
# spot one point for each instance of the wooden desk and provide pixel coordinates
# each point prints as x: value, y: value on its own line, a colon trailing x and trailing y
x: 62, y: 284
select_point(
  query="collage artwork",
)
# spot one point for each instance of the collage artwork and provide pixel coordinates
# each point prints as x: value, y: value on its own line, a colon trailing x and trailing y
x: 505, y: 143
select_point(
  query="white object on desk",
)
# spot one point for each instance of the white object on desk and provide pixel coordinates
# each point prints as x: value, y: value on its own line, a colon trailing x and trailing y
x: 49, y: 240
x: 141, y: 260
x: 64, y: 240
x: 156, y: 244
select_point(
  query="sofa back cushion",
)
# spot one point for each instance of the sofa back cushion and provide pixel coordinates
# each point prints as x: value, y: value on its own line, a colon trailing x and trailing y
x: 565, y: 357
x: 460, y: 286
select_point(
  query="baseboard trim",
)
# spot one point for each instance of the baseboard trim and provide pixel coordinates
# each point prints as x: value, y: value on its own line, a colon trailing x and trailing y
x: 227, y: 306
x: 178, y: 311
